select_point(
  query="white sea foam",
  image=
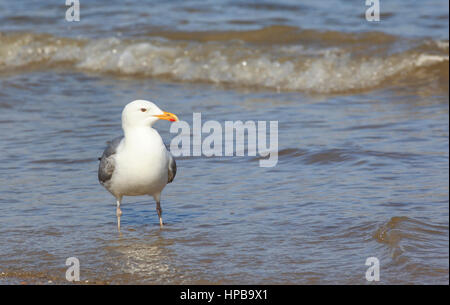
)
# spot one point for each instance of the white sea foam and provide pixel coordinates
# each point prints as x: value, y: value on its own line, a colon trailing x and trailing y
x: 293, y: 67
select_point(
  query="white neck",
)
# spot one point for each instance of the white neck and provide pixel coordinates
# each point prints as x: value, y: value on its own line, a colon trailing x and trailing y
x: 139, y: 135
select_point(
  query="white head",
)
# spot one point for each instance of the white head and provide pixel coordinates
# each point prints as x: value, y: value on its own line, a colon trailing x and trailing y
x: 141, y: 113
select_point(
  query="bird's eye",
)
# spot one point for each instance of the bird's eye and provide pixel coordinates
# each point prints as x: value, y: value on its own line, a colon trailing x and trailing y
x: 143, y: 109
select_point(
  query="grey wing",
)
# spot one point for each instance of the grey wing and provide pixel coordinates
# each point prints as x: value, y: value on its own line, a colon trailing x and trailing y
x: 107, y: 164
x: 172, y: 168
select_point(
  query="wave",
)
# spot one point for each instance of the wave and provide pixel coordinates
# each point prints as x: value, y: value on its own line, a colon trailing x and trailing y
x: 279, y: 58
x: 417, y: 247
x: 405, y: 236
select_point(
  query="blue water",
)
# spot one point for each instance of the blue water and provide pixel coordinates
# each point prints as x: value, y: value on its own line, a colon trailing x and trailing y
x: 363, y: 141
x: 106, y: 18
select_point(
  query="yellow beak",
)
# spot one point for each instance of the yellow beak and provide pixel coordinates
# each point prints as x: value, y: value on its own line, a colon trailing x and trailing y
x: 167, y: 116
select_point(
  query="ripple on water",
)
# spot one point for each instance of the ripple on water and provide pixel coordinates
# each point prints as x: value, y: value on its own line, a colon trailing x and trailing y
x: 415, y: 246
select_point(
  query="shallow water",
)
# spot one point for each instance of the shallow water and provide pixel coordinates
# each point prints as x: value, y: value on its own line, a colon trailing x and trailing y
x: 363, y: 143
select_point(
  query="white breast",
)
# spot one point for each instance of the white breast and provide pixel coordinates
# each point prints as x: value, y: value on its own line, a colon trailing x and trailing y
x: 141, y: 164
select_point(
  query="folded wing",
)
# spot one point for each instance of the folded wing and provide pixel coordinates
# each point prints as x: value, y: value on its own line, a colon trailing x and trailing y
x: 107, y: 162
x: 172, y: 168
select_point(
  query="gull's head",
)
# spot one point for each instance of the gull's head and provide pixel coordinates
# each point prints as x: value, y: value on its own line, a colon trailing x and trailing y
x: 144, y: 113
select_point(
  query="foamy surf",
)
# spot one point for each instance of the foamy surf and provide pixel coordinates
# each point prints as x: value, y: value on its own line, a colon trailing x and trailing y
x: 329, y: 63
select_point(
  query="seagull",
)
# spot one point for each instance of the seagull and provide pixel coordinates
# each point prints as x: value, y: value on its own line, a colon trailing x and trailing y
x: 138, y: 163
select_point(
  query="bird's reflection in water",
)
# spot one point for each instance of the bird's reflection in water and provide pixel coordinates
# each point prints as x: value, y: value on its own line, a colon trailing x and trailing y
x: 150, y: 261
